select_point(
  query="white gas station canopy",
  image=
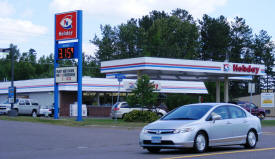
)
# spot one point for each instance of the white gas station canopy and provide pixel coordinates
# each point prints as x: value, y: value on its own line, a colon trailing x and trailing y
x: 180, y: 69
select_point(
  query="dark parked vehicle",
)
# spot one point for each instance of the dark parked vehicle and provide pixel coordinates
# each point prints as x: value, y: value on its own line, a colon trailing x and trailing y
x: 255, y: 110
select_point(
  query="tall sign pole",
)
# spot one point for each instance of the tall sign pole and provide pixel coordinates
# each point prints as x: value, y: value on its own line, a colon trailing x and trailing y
x: 68, y: 45
x: 79, y: 92
x: 56, y: 101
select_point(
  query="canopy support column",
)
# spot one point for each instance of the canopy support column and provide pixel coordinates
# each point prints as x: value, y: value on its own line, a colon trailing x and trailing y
x: 226, y: 90
x: 139, y: 74
x: 218, y: 91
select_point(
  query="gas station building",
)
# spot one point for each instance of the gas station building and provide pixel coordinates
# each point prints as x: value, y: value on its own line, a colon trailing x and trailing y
x: 171, y: 75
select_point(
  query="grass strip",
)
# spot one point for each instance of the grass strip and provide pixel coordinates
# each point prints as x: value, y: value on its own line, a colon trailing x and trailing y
x: 74, y: 123
x: 268, y: 122
x: 92, y: 122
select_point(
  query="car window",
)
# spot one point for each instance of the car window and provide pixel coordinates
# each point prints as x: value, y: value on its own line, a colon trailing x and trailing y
x: 27, y: 102
x: 46, y: 107
x: 124, y: 105
x: 236, y: 112
x: 253, y: 106
x: 222, y: 111
x: 35, y: 103
x: 22, y: 102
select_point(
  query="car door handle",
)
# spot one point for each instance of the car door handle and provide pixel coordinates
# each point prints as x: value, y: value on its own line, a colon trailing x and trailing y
x: 228, y: 122
x: 245, y: 121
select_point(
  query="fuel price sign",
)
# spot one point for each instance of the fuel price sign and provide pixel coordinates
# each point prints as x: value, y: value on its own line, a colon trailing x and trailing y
x: 66, y: 53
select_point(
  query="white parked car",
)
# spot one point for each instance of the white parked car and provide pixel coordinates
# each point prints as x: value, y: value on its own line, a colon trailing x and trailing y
x: 200, y: 126
x: 120, y: 109
x: 4, y: 108
x: 46, y: 110
x: 22, y: 106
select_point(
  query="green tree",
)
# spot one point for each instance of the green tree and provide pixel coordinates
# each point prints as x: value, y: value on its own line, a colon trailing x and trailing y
x: 157, y: 35
x: 263, y: 48
x: 143, y: 94
x: 44, y: 67
x: 241, y: 41
x: 215, y: 38
x: 241, y: 52
x: 6, y: 63
x: 107, y: 46
x: 91, y: 66
x: 173, y: 38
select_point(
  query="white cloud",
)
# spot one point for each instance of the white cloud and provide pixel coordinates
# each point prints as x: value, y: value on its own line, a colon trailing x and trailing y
x: 6, y: 9
x: 27, y: 13
x: 89, y: 49
x: 15, y: 31
x: 125, y: 9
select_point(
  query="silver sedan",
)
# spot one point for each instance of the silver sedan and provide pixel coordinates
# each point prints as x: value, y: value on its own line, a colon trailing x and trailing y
x: 201, y: 126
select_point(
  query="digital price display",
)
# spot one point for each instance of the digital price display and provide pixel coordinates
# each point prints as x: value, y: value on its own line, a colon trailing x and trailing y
x: 66, y: 53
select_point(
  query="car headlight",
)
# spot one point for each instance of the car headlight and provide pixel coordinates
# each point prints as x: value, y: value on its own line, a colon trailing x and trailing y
x: 183, y: 130
x: 145, y: 131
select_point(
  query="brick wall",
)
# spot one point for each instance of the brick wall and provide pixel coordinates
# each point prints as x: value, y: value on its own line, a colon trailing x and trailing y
x: 66, y: 98
x: 98, y: 111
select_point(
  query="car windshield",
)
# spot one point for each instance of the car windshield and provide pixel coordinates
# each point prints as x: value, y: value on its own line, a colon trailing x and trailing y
x: 188, y: 112
x: 46, y: 107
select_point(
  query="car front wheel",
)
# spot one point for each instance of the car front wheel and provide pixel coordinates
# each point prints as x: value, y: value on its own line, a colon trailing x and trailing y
x: 200, y: 143
x: 251, y: 140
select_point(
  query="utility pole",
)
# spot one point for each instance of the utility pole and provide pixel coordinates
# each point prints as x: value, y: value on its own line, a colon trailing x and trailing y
x: 12, y: 112
x: 12, y: 89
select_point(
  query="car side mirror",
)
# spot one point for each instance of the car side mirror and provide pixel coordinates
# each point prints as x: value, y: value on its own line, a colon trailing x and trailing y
x: 216, y: 117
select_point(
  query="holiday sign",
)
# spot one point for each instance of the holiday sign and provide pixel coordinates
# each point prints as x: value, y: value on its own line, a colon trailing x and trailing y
x: 66, y: 26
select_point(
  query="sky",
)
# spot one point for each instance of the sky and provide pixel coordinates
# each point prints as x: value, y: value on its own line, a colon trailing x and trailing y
x: 30, y: 23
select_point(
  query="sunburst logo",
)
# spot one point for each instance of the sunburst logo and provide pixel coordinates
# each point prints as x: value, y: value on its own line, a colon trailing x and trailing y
x: 226, y: 67
x: 66, y: 22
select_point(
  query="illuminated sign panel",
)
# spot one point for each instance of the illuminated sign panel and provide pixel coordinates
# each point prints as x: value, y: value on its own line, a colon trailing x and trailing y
x: 267, y: 99
x: 66, y: 74
x: 66, y: 26
x: 242, y: 68
x: 65, y: 53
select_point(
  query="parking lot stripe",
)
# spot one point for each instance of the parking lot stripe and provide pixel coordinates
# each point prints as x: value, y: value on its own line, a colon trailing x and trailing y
x: 220, y: 153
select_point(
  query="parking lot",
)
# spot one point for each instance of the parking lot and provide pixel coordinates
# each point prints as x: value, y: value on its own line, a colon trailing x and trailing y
x: 41, y: 141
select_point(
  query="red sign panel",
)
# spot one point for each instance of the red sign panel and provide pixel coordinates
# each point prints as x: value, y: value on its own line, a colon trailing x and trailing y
x: 66, y: 26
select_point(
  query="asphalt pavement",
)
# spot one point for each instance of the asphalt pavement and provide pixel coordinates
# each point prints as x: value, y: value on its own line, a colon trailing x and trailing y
x: 43, y: 141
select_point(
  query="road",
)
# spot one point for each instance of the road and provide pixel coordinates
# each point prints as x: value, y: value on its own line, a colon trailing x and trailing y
x: 42, y: 141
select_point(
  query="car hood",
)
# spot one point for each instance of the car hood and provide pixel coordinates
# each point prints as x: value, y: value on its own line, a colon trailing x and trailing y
x: 170, y: 124
x: 5, y: 105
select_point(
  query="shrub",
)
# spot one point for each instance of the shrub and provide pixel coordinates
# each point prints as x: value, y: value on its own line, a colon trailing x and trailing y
x: 140, y: 116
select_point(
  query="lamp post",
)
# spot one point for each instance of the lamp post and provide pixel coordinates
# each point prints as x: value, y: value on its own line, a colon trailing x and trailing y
x: 12, y: 89
x: 12, y: 112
